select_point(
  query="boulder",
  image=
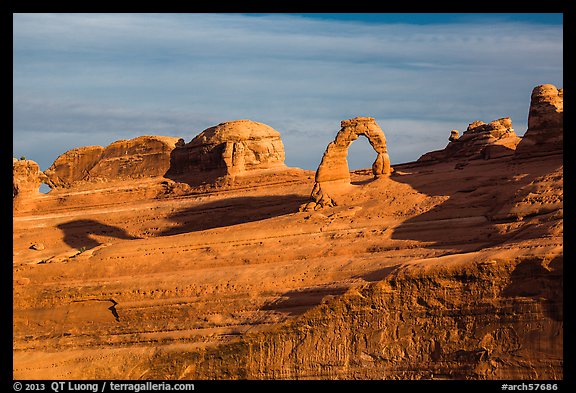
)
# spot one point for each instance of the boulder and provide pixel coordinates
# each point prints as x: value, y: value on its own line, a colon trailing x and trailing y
x: 545, y: 122
x: 37, y: 247
x: 229, y: 149
x: 454, y: 135
x: 26, y: 180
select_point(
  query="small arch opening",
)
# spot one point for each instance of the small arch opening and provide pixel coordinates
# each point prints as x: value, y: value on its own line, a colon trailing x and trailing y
x: 361, y: 154
x: 44, y: 188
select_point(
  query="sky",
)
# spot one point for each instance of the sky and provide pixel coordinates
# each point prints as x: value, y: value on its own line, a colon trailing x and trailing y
x: 92, y: 79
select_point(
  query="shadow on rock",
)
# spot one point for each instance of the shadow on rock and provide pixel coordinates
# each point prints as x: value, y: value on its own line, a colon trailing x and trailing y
x: 539, y: 280
x: 78, y: 233
x: 377, y: 275
x: 297, y: 302
x: 466, y: 221
x: 232, y: 211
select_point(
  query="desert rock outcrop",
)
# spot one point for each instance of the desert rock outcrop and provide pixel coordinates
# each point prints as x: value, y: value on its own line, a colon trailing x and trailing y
x: 27, y: 178
x: 480, y: 140
x: 545, y: 122
x: 334, y: 165
x: 144, y: 156
x: 229, y: 149
x: 72, y: 166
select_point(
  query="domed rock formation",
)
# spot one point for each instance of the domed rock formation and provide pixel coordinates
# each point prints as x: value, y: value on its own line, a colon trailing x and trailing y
x: 26, y: 180
x: 229, y: 149
x: 480, y: 140
x: 334, y: 165
x: 545, y: 122
x: 144, y: 156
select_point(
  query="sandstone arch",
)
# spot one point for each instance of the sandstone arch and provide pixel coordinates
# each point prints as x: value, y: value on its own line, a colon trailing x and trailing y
x: 334, y: 165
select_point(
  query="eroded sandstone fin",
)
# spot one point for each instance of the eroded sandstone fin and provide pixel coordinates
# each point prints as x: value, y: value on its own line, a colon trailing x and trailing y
x: 334, y: 165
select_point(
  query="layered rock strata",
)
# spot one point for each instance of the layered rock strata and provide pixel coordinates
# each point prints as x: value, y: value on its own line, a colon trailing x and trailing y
x: 473, y: 321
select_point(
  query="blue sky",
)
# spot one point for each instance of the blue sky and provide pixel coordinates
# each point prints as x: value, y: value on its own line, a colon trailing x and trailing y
x: 91, y: 79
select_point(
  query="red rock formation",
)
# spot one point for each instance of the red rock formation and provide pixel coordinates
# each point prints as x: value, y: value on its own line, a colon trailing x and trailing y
x: 229, y: 149
x: 480, y: 140
x: 26, y: 181
x: 72, y: 166
x: 407, y: 327
x: 145, y: 156
x: 334, y: 166
x: 545, y: 122
x: 27, y: 178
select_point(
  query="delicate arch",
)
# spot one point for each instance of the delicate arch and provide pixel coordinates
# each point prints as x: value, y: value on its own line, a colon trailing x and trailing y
x: 334, y: 165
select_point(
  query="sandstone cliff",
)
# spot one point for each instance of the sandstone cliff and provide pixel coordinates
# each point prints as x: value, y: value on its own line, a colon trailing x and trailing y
x: 227, y: 150
x: 441, y: 321
x: 144, y: 156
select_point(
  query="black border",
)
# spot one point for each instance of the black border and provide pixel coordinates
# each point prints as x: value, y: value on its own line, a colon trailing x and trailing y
x: 555, y: 6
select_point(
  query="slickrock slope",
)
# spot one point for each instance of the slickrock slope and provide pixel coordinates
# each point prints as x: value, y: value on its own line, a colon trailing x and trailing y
x: 480, y: 140
x: 144, y: 156
x: 194, y: 279
x: 230, y: 149
x: 428, y: 273
x: 545, y: 132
